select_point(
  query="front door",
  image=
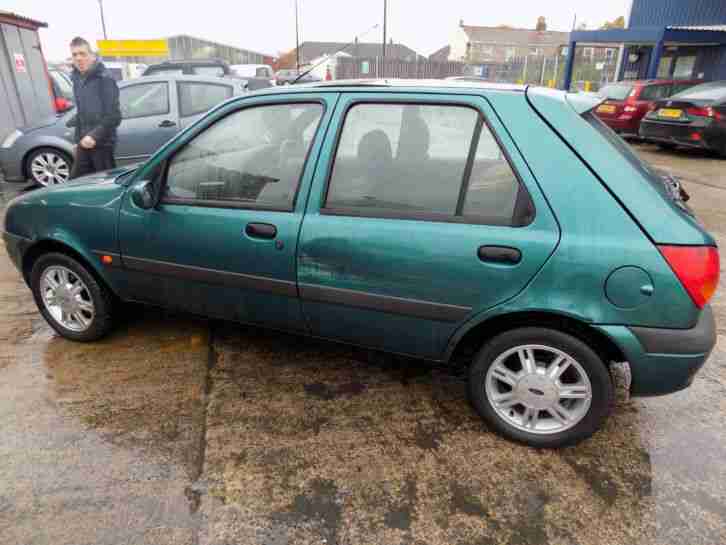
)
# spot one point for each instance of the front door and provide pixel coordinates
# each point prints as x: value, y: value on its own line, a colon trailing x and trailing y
x: 222, y: 241
x: 422, y: 215
x: 149, y: 120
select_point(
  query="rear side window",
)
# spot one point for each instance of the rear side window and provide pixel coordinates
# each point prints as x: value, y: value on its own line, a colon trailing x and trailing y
x: 616, y: 92
x: 196, y: 98
x: 655, y: 92
x: 144, y: 100
x: 421, y: 162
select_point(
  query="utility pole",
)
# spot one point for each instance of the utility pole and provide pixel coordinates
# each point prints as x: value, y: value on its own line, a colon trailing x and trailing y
x: 383, y: 68
x: 103, y: 20
x: 297, y: 40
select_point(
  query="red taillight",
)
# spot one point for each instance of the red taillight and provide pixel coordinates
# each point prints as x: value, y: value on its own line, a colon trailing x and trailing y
x: 704, y: 112
x: 62, y: 104
x: 697, y: 267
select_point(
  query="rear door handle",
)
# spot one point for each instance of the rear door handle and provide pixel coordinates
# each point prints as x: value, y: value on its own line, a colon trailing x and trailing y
x: 261, y: 230
x: 499, y: 254
x: 166, y: 124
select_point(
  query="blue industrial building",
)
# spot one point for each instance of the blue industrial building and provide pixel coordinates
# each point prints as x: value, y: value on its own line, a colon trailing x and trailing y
x: 669, y: 39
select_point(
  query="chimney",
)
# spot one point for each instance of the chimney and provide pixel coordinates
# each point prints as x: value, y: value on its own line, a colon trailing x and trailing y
x: 461, y: 22
x: 541, y: 24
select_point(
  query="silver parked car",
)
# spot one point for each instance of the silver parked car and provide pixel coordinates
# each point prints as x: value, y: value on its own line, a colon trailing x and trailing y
x: 154, y: 109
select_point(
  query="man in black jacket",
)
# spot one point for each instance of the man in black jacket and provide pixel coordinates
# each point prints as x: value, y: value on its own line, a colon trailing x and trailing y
x: 98, y: 112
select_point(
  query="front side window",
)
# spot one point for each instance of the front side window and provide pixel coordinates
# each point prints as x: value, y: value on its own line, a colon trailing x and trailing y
x: 405, y: 160
x: 144, y: 100
x: 196, y: 98
x: 253, y: 157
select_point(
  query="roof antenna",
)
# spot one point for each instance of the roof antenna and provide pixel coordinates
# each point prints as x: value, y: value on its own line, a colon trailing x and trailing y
x: 355, y: 40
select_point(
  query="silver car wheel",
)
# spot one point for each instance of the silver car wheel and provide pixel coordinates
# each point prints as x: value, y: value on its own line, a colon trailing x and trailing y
x: 49, y: 168
x: 67, y: 299
x: 538, y: 389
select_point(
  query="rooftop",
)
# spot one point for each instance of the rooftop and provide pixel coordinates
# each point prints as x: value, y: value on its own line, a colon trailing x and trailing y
x: 20, y: 20
x: 515, y: 36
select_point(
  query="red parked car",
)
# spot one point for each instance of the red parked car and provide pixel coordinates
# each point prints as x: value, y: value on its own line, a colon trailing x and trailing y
x: 628, y: 101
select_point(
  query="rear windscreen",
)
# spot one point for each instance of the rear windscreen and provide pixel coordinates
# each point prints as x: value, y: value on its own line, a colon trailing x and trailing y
x: 707, y: 91
x: 615, y: 92
x: 624, y: 150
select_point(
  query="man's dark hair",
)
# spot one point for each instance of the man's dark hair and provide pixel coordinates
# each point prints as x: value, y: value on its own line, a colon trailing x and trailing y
x: 81, y: 42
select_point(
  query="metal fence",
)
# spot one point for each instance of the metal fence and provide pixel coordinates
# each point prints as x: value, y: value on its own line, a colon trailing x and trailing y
x: 372, y: 67
x: 588, y: 73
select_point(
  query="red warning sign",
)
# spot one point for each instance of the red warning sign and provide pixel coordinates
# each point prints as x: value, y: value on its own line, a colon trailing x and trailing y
x: 20, y: 65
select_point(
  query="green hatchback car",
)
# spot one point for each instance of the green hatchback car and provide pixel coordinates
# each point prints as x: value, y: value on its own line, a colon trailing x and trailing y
x: 441, y: 220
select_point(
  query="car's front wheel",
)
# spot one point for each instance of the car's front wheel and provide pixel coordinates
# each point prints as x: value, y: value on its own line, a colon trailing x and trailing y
x: 541, y: 387
x: 70, y: 299
x: 49, y: 166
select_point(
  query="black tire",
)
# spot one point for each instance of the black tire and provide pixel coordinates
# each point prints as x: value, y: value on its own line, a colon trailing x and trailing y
x: 32, y: 156
x: 100, y: 296
x: 601, y: 384
x: 666, y: 147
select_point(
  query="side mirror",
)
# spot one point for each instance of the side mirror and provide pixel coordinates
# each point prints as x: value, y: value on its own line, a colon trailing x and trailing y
x: 142, y: 195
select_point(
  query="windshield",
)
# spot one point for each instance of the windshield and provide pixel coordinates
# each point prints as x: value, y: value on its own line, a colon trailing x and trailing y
x: 708, y: 91
x: 615, y: 92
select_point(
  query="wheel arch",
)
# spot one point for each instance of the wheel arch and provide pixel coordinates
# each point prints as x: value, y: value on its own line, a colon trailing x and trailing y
x: 25, y: 164
x: 47, y: 246
x: 479, y: 334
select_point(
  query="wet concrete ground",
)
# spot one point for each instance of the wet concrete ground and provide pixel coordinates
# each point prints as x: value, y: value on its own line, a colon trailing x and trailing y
x: 177, y: 430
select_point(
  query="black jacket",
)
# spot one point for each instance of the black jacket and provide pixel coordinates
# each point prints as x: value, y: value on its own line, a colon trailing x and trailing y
x: 98, y: 112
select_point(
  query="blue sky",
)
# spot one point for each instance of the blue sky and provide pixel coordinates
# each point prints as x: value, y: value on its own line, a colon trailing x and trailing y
x: 269, y: 26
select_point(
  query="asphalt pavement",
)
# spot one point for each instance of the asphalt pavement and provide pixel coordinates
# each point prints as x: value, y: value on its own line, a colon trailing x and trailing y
x: 181, y: 430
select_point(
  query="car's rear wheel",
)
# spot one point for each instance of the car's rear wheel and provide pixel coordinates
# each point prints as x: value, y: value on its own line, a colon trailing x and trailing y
x: 70, y: 299
x: 49, y: 166
x: 541, y: 387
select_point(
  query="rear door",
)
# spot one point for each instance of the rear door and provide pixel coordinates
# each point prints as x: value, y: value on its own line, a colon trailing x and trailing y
x: 421, y: 215
x: 149, y: 119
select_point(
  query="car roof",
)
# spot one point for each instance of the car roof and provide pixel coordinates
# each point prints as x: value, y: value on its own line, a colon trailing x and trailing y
x: 177, y: 77
x: 408, y: 84
x: 653, y: 81
x: 173, y: 62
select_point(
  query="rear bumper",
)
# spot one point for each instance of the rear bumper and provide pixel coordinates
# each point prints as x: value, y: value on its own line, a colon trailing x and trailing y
x: 680, y: 135
x: 663, y: 361
x: 625, y: 126
x: 10, y: 167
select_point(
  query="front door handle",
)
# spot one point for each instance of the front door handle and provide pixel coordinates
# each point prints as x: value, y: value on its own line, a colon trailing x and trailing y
x: 261, y: 230
x: 166, y: 124
x: 499, y: 254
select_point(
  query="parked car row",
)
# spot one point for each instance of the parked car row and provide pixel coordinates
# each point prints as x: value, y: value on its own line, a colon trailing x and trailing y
x: 154, y: 109
x: 669, y: 113
x: 440, y: 220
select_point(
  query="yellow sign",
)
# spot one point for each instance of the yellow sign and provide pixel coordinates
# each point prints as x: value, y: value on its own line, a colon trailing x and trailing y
x: 133, y: 48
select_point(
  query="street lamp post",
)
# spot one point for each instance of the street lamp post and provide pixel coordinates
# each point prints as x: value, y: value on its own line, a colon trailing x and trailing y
x: 383, y: 68
x: 297, y: 40
x: 103, y: 20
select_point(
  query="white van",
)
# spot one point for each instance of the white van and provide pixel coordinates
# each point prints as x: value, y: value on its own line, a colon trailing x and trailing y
x: 254, y: 71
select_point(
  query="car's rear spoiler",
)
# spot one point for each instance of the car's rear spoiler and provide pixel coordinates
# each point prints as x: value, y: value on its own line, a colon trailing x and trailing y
x: 583, y: 102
